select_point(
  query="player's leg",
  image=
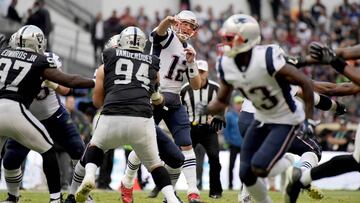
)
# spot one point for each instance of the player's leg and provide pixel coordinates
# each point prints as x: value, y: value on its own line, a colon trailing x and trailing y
x: 14, y: 156
x: 143, y: 141
x: 178, y: 123
x: 105, y: 137
x: 33, y: 135
x: 253, y: 140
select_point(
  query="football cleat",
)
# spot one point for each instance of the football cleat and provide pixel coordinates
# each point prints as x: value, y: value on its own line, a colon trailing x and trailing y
x: 314, y: 193
x: 126, y: 194
x: 180, y: 201
x: 71, y: 199
x: 154, y: 192
x: 11, y: 199
x: 84, y: 190
x: 194, y: 198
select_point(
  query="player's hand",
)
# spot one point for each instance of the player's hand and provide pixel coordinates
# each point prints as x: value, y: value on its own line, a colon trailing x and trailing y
x: 201, y: 108
x: 190, y: 54
x: 158, y: 100
x: 51, y: 85
x: 308, y: 128
x: 340, y: 109
x: 173, y: 20
x: 217, y: 123
x: 321, y: 53
x: 296, y: 61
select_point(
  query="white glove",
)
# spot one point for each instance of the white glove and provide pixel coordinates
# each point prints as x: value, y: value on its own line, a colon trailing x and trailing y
x: 51, y: 85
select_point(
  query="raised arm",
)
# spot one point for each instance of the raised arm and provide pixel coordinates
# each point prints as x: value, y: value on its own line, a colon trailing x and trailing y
x: 165, y: 24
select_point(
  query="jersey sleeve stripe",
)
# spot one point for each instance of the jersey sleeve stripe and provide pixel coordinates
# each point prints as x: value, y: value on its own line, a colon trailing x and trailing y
x: 169, y: 41
x: 220, y: 69
x: 269, y: 61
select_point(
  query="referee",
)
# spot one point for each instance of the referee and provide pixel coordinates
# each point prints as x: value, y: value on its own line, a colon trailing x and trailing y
x: 201, y: 132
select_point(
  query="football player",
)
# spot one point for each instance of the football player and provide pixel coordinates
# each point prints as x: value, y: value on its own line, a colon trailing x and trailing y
x: 261, y: 74
x: 339, y: 164
x: 123, y: 88
x: 25, y: 68
x: 177, y: 60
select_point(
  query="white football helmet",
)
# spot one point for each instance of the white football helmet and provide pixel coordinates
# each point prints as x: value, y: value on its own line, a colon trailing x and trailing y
x: 132, y: 38
x: 239, y: 33
x: 113, y: 42
x: 188, y: 25
x: 31, y: 38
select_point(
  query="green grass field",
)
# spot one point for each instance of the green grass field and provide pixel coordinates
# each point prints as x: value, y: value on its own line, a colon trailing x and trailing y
x: 228, y: 197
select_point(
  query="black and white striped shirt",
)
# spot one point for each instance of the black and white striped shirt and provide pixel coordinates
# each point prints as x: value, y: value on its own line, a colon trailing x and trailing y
x: 190, y: 98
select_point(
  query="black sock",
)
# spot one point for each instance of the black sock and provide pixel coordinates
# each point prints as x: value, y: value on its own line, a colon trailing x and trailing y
x: 51, y: 170
x: 335, y: 166
x: 161, y: 177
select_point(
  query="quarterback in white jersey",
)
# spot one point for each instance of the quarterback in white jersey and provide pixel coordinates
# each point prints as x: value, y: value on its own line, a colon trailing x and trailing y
x: 261, y: 74
x: 177, y: 60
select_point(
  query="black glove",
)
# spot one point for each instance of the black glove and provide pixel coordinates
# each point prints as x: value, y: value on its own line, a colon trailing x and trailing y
x: 201, y: 108
x: 326, y: 55
x: 217, y: 123
x: 308, y: 128
x: 322, y: 53
x: 340, y: 109
x: 296, y: 61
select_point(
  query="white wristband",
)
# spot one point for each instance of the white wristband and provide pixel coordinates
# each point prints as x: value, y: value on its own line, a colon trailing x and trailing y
x: 51, y: 85
x: 193, y: 70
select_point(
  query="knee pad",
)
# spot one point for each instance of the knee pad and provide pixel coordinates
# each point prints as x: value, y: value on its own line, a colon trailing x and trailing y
x: 246, y: 174
x: 94, y: 155
x: 175, y: 162
x: 12, y: 161
x: 260, y: 172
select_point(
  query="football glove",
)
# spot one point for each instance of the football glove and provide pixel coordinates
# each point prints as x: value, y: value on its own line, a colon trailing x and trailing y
x: 322, y: 53
x: 217, y: 123
x: 340, y: 109
x: 297, y: 61
x: 308, y: 128
x: 158, y: 100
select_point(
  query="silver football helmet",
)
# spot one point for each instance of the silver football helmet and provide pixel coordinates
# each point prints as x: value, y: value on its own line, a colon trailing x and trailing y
x: 188, y: 25
x: 113, y: 42
x: 239, y: 33
x: 132, y: 38
x: 12, y: 40
x: 31, y: 38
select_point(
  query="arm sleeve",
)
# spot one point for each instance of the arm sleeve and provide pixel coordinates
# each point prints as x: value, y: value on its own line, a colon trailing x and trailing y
x: 162, y: 40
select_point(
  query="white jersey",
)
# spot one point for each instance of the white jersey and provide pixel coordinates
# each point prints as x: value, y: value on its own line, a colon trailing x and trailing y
x: 46, y: 102
x: 172, y: 63
x: 272, y: 98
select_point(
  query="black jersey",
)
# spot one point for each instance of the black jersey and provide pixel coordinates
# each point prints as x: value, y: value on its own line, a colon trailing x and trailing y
x: 128, y: 83
x: 21, y: 74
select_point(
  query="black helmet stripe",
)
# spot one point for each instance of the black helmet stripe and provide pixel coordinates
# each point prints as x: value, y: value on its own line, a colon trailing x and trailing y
x: 22, y: 32
x: 135, y: 35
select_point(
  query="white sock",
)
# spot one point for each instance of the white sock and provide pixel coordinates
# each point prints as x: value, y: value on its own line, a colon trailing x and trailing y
x: 308, y: 160
x: 281, y: 165
x: 131, y: 170
x: 13, y: 179
x: 169, y: 194
x: 174, y: 174
x: 55, y: 195
x: 306, y: 177
x: 189, y: 170
x: 78, y: 177
x: 244, y: 192
x: 90, y: 170
x: 259, y: 192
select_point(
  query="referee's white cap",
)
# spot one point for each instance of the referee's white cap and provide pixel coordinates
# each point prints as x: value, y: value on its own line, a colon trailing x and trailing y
x: 202, y: 65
